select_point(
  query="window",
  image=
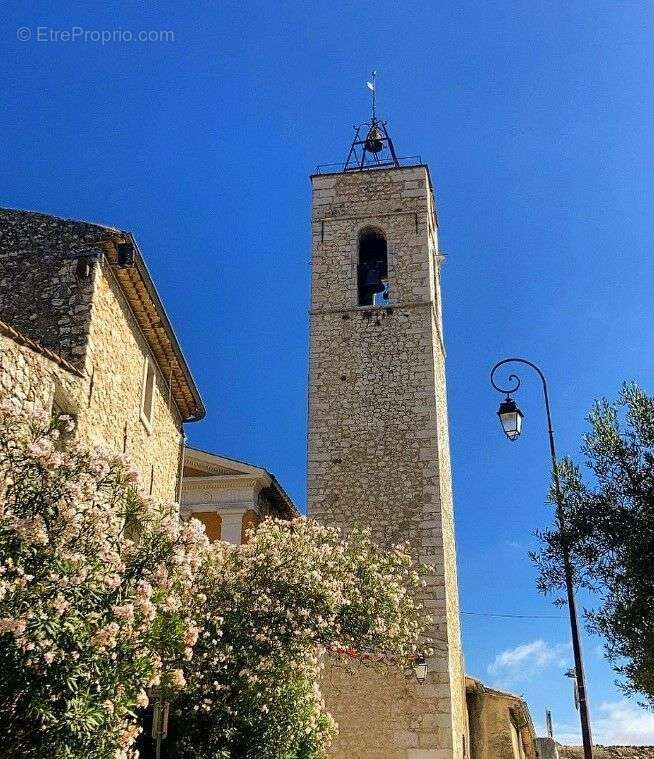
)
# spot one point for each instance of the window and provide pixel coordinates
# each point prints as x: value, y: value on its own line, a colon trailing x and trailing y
x: 516, y: 741
x: 147, y: 398
x: 83, y: 268
x: 63, y: 406
x: 372, y: 269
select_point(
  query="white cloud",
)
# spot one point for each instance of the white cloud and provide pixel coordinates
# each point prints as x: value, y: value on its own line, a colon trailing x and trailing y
x: 622, y: 722
x: 524, y: 662
x: 615, y: 723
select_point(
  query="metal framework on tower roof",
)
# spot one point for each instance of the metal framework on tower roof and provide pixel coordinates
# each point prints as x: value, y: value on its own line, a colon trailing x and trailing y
x: 375, y: 150
x: 372, y: 146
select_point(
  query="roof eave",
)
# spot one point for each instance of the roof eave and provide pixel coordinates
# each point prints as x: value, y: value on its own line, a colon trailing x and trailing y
x: 145, y: 277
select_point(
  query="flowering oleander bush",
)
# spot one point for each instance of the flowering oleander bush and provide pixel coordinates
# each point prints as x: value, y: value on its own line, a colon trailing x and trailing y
x: 105, y: 595
x: 271, y: 609
x: 95, y: 595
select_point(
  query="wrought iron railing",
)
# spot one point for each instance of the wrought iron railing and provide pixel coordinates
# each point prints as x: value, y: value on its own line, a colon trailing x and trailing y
x: 335, y: 168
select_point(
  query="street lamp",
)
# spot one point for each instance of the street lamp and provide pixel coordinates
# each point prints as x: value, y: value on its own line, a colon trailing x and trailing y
x: 511, y: 419
x: 420, y: 668
x: 575, y: 688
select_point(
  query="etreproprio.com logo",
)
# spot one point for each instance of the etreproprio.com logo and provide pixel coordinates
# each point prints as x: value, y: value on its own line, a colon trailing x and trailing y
x: 97, y: 36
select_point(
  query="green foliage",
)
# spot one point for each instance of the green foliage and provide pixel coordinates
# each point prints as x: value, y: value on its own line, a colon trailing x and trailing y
x: 273, y: 609
x: 105, y: 594
x: 89, y: 618
x: 609, y: 521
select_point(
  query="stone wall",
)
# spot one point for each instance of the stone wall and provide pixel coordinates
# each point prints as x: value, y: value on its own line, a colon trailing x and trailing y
x: 32, y: 379
x: 84, y: 317
x: 546, y: 748
x: 608, y: 752
x: 105, y: 404
x: 116, y: 359
x: 42, y: 293
x: 378, y: 444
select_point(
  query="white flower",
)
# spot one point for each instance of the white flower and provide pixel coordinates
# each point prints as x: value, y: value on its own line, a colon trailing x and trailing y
x: 176, y: 679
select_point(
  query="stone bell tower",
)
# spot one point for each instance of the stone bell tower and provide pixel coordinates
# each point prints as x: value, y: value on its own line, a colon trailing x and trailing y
x: 378, y: 431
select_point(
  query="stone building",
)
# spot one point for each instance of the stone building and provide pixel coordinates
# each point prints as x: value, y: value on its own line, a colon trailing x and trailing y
x: 500, y: 724
x: 229, y: 497
x: 84, y: 331
x: 378, y: 430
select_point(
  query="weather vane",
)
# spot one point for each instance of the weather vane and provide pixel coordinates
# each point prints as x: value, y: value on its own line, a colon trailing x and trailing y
x: 375, y: 150
x: 372, y: 86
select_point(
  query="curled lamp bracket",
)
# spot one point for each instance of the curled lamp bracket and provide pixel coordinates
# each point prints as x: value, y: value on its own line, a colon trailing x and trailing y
x: 513, y: 379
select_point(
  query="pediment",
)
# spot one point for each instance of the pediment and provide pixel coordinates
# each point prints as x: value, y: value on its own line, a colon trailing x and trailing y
x: 203, y: 464
x: 193, y: 470
x: 211, y: 478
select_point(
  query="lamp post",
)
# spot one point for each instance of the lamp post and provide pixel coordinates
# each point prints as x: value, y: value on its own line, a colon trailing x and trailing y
x: 511, y: 419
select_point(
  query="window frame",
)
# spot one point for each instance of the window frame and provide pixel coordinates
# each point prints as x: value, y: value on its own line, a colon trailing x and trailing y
x: 147, y: 415
x: 362, y: 231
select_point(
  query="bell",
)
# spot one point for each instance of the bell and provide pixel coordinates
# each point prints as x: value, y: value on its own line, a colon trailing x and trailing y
x: 372, y: 279
x: 375, y: 140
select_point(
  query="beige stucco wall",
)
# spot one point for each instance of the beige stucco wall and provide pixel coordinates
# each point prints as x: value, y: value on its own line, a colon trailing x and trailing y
x: 492, y: 714
x: 379, y: 448
x: 232, y: 498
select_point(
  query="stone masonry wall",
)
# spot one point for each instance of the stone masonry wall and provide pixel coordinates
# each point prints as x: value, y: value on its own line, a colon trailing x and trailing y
x: 117, y: 352
x: 608, y: 752
x: 106, y: 406
x: 32, y: 379
x: 41, y: 294
x: 492, y: 714
x: 378, y: 445
x: 89, y: 322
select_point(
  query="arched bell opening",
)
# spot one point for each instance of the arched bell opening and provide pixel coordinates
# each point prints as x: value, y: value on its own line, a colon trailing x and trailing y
x: 372, y: 268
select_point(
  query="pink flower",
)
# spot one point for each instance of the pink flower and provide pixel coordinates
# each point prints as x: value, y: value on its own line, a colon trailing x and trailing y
x: 105, y: 637
x: 146, y: 607
x: 176, y: 679
x: 32, y: 530
x: 12, y: 625
x: 112, y: 581
x: 124, y: 613
x: 143, y: 589
x: 60, y: 604
x: 191, y: 636
x: 132, y: 474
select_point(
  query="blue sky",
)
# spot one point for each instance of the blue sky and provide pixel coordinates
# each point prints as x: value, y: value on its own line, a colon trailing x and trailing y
x: 536, y: 121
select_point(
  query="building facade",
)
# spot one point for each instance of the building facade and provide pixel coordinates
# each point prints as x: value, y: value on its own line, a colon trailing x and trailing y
x: 378, y: 437
x: 500, y: 724
x: 230, y: 497
x: 84, y: 332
